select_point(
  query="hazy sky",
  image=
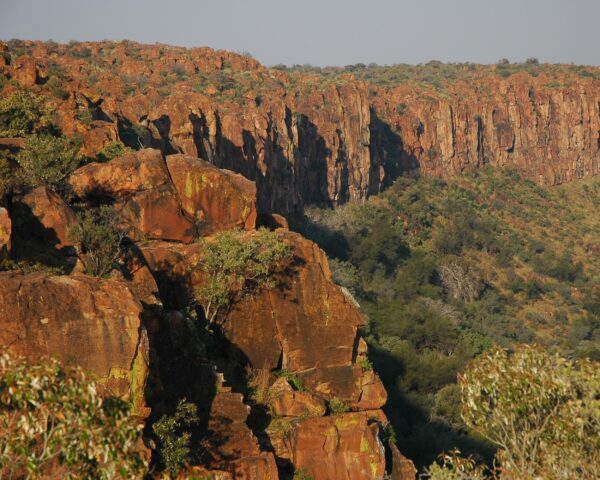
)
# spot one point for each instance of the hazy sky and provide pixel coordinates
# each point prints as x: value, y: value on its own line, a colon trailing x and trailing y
x: 327, y: 32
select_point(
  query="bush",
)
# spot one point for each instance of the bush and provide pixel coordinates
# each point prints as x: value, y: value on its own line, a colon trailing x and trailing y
x: 47, y: 160
x: 174, y: 436
x: 541, y: 410
x: 236, y: 265
x: 460, y: 280
x: 21, y: 114
x: 54, y: 423
x: 112, y: 149
x: 100, y: 238
x: 335, y: 406
x: 291, y: 378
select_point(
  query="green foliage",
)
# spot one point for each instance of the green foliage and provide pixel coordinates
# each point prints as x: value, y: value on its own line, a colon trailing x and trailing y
x: 444, y: 269
x: 99, y: 236
x: 112, y: 149
x: 22, y: 113
x: 48, y: 160
x: 291, y: 378
x: 7, y: 179
x: 366, y: 364
x: 335, y: 406
x: 453, y: 466
x: 541, y: 410
x: 301, y: 474
x: 235, y: 264
x: 54, y: 423
x: 174, y: 436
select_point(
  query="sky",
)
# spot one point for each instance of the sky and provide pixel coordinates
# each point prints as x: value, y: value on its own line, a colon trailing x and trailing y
x: 327, y: 32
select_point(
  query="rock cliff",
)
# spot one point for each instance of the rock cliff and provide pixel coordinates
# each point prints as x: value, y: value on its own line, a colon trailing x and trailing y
x: 137, y: 333
x: 315, y: 139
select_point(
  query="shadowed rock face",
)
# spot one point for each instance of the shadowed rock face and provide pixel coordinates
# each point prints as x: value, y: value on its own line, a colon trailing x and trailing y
x: 97, y: 324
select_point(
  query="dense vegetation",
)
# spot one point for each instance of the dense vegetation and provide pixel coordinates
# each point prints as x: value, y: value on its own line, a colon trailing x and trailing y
x: 445, y: 269
x: 54, y: 423
x: 541, y: 411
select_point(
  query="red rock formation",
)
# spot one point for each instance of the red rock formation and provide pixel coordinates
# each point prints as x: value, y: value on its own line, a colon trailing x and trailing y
x: 5, y: 229
x: 549, y: 134
x: 232, y: 444
x: 304, y: 139
x: 132, y: 173
x: 339, y: 447
x: 287, y: 402
x: 90, y: 322
x: 220, y: 199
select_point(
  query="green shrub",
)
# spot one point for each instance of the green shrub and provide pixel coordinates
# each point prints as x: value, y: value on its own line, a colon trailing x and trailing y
x: 174, y: 436
x: 21, y: 114
x: 292, y: 379
x: 47, y: 160
x: 100, y: 237
x: 54, y: 423
x: 335, y: 406
x: 112, y: 150
x: 541, y: 410
x: 236, y: 264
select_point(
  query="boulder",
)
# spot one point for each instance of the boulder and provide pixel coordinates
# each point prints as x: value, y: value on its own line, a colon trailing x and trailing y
x: 219, y: 199
x: 144, y: 195
x: 94, y: 323
x: 43, y: 214
x: 339, y: 447
x: 41, y: 228
x: 233, y: 446
x: 133, y: 172
x: 156, y: 214
x: 287, y: 402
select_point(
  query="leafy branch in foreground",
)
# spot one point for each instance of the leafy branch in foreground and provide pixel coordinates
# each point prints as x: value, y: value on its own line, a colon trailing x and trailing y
x: 234, y: 263
x: 54, y: 423
x: 541, y: 411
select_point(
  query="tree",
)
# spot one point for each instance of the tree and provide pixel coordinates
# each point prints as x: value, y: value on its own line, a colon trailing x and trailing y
x: 54, y: 424
x: 234, y: 264
x: 48, y: 160
x: 174, y: 436
x: 21, y: 114
x: 100, y: 237
x: 112, y: 150
x: 542, y: 412
x: 460, y: 280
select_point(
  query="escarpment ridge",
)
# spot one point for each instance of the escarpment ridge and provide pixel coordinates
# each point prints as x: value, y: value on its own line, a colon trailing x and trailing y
x: 318, y: 136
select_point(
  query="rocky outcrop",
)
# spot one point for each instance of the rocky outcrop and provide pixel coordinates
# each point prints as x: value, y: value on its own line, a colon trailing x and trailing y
x: 41, y: 226
x: 216, y: 199
x: 340, y: 447
x: 96, y: 324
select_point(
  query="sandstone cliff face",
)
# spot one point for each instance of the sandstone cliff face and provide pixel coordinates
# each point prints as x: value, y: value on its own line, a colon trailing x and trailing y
x: 549, y: 134
x: 308, y: 140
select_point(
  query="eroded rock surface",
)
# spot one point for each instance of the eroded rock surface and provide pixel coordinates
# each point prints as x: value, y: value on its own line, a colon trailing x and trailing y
x: 94, y: 323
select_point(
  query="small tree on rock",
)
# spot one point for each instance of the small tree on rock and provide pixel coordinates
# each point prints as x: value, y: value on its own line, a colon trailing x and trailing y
x: 234, y: 264
x: 100, y: 237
